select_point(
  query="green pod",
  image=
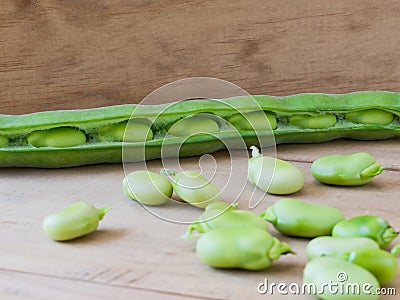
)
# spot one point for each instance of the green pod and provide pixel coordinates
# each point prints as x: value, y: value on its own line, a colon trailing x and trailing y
x: 146, y: 187
x: 3, y: 141
x: 76, y: 220
x: 194, y: 188
x: 296, y: 218
x: 331, y: 278
x: 97, y: 148
x: 382, y: 264
x: 369, y: 226
x: 273, y: 175
x: 335, y: 246
x: 248, y: 248
x: 129, y: 132
x: 313, y: 122
x: 256, y: 120
x: 347, y: 170
x: 193, y: 125
x: 370, y: 116
x: 61, y: 137
x: 214, y: 219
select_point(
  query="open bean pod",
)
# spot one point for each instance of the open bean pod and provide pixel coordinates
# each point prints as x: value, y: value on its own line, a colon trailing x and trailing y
x: 66, y: 138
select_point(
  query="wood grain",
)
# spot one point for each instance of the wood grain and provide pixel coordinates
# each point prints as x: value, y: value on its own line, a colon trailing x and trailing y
x: 79, y: 54
x: 49, y: 287
x: 134, y: 252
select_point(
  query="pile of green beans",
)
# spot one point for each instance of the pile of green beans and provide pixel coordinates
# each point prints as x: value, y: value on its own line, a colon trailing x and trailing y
x: 356, y: 250
x: 355, y: 247
x: 55, y: 139
x: 232, y: 238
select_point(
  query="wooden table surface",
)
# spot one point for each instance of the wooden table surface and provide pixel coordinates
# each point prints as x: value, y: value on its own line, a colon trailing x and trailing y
x: 80, y: 54
x: 136, y: 255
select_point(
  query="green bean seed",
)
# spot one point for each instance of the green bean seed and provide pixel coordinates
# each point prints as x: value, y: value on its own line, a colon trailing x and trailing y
x: 3, y: 141
x: 348, y: 170
x: 215, y: 209
x: 370, y: 116
x: 256, y: 120
x: 296, y: 218
x: 273, y: 175
x: 146, y: 187
x: 230, y: 218
x: 221, y: 206
x: 76, y: 220
x: 194, y: 188
x: 211, y: 211
x: 235, y: 218
x: 331, y: 278
x: 57, y: 137
x: 334, y: 246
x: 313, y: 122
x: 369, y: 226
x: 248, y: 248
x: 126, y: 131
x: 382, y: 264
x: 193, y: 125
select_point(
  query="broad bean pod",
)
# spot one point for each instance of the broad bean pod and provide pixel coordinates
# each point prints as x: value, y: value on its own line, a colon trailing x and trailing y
x: 96, y: 132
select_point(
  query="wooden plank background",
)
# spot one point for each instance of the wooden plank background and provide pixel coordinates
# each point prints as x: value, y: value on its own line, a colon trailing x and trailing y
x: 79, y: 54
